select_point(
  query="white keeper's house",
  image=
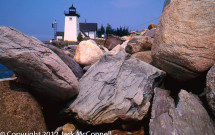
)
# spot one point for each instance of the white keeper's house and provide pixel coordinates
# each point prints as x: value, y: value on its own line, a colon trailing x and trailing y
x: 72, y: 27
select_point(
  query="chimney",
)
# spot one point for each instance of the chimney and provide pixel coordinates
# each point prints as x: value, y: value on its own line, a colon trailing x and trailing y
x: 85, y: 20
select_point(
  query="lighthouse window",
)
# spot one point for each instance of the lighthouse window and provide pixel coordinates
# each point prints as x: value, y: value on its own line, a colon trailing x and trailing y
x: 70, y: 19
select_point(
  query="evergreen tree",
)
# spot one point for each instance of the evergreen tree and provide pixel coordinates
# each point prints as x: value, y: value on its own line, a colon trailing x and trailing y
x: 119, y: 31
x: 99, y: 33
x: 80, y: 37
x: 109, y: 29
x: 102, y: 29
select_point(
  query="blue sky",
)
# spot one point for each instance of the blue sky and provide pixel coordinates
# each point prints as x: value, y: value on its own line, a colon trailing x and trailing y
x: 34, y: 17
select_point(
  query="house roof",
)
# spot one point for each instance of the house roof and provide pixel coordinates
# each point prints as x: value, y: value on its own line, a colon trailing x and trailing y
x: 86, y: 27
x: 60, y: 34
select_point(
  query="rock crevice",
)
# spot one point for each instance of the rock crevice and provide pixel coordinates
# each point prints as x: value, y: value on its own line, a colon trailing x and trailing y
x: 188, y: 116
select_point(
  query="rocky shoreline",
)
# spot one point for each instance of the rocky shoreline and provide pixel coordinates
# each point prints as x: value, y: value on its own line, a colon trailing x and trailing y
x: 159, y: 81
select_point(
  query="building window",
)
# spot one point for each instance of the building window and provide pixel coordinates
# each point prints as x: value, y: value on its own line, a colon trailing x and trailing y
x: 70, y: 19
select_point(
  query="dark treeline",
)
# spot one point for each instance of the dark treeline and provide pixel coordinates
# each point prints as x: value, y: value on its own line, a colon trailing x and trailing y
x: 121, y: 31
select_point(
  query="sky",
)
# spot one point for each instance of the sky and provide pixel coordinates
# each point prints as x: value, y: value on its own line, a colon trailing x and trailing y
x: 34, y: 17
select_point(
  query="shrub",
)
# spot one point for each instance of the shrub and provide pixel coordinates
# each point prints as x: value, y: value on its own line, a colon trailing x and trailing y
x: 80, y: 37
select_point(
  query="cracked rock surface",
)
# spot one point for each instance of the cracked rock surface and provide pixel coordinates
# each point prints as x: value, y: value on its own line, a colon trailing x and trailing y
x: 184, y: 44
x: 36, y: 65
x: 116, y: 87
x: 188, y: 117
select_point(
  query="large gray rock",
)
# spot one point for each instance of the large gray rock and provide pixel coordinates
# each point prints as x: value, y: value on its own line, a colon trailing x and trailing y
x: 37, y: 65
x: 162, y: 103
x: 70, y: 62
x: 116, y: 87
x: 184, y: 45
x: 211, y: 89
x: 188, y: 117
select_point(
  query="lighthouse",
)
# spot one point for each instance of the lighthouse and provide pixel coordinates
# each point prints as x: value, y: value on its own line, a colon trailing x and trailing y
x: 71, y: 28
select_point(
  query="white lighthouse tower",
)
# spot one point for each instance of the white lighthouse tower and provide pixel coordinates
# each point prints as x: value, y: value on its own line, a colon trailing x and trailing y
x: 71, y: 29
